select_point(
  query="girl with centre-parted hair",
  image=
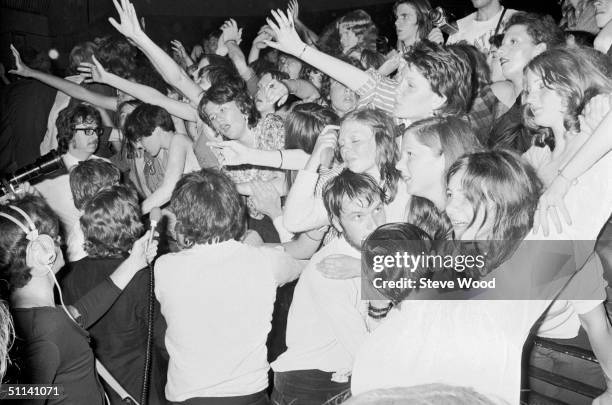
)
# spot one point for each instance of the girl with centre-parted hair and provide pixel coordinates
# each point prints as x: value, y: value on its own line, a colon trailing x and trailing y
x: 491, y: 196
x: 558, y: 85
x: 111, y: 224
x: 55, y: 341
x: 365, y: 143
x: 220, y: 349
x: 349, y: 35
x: 412, y: 22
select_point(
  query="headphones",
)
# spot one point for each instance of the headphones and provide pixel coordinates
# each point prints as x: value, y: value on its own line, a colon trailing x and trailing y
x: 41, y: 248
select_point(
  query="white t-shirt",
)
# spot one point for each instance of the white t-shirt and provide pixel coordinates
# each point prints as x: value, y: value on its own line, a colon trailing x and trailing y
x: 476, y: 32
x: 589, y: 203
x: 477, y: 344
x: 218, y: 301
x: 326, y: 323
x: 57, y: 194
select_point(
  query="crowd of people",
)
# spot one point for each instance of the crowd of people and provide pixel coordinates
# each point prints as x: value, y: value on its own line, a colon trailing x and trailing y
x: 274, y: 174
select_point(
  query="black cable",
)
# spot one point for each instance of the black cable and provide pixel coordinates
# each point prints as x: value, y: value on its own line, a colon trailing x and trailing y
x: 146, y: 377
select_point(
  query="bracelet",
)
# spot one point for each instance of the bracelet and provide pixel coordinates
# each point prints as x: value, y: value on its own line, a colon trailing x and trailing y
x: 280, y: 166
x: 303, y: 50
x: 572, y: 182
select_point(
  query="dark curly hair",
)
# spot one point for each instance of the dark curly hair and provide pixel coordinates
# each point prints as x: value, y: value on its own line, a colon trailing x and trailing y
x: 208, y: 208
x: 117, y: 56
x: 143, y: 121
x: 541, y: 28
x: 448, y: 74
x: 221, y: 93
x: 68, y: 118
x: 89, y: 177
x: 13, y: 243
x: 111, y: 222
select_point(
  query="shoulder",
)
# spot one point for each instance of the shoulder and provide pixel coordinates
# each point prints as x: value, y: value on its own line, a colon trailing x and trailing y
x: 467, y: 20
x: 181, y: 141
x: 536, y: 155
x: 504, y: 91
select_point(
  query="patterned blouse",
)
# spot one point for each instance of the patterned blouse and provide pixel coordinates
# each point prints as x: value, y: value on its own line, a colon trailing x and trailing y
x: 269, y: 135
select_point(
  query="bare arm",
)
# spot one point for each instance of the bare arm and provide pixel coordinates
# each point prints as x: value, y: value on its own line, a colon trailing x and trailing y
x: 234, y: 154
x: 288, y: 41
x: 167, y: 67
x: 598, y: 145
x: 95, y: 72
x: 302, y: 89
x: 63, y: 85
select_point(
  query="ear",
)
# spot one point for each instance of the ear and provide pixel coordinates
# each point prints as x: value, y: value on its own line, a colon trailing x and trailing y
x: 437, y: 102
x: 336, y: 224
x: 282, y: 100
x: 539, y: 48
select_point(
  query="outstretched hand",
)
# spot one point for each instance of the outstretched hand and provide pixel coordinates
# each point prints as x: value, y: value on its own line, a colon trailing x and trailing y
x: 21, y: 68
x: 293, y: 9
x: 287, y: 38
x: 233, y: 153
x: 93, y: 72
x: 231, y: 32
x: 128, y: 25
x: 178, y: 47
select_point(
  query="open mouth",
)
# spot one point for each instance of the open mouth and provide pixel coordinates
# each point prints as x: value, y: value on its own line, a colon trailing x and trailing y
x: 503, y: 61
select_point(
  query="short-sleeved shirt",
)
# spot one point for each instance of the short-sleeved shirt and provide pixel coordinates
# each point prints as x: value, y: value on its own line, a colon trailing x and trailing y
x: 218, y: 301
x: 476, y: 32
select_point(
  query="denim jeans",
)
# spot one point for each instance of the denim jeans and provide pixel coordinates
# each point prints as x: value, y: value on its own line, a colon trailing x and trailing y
x: 305, y: 387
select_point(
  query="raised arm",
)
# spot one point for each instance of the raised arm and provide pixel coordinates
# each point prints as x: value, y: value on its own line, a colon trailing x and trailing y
x: 180, y: 50
x: 288, y: 41
x: 165, y: 65
x: 63, y: 85
x: 96, y: 73
x: 293, y: 9
x: 231, y: 35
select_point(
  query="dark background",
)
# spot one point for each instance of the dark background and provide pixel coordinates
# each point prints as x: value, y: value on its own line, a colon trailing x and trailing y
x: 60, y: 24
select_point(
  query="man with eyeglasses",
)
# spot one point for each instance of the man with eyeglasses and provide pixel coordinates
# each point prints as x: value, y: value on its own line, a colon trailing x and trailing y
x: 78, y: 131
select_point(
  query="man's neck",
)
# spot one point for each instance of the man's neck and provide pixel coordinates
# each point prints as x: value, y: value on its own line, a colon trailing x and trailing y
x: 79, y: 155
x: 487, y: 12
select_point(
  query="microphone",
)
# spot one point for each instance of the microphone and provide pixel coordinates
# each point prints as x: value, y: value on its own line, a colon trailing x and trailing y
x: 154, y: 218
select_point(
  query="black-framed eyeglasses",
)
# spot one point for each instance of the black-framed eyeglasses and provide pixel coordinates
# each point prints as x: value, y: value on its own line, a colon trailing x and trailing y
x: 90, y: 131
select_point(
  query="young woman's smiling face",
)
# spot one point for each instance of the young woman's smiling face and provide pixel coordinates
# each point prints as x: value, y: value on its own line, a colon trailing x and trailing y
x: 468, y: 223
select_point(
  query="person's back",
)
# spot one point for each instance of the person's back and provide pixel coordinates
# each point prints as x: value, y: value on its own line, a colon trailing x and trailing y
x: 217, y: 295
x: 218, y: 300
x: 120, y: 336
